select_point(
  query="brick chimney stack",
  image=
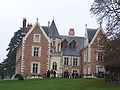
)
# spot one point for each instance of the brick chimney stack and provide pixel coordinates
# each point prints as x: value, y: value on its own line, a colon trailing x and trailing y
x: 24, y: 23
x: 71, y: 32
x: 29, y: 26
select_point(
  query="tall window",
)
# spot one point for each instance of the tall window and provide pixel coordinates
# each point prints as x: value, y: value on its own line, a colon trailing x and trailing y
x: 75, y: 61
x: 35, y: 68
x: 54, y: 43
x: 36, y: 37
x: 36, y: 51
x: 66, y: 61
x: 54, y: 66
x: 99, y: 56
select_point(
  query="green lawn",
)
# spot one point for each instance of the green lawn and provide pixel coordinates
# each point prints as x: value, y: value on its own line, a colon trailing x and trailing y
x: 57, y: 84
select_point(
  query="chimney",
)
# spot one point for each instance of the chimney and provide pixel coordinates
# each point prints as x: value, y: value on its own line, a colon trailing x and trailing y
x: 24, y: 23
x: 71, y: 32
x: 29, y: 26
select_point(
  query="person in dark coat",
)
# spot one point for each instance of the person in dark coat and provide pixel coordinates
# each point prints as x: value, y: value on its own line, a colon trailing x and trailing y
x: 54, y: 74
x: 48, y: 73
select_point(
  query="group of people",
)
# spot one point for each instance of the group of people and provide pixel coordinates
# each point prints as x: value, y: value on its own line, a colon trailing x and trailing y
x: 66, y: 74
x: 51, y: 74
x: 72, y: 75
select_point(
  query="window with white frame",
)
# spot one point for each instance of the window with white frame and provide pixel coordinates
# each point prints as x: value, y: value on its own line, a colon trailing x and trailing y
x: 75, y: 61
x: 99, y: 68
x: 66, y: 61
x: 99, y: 42
x: 36, y: 51
x: 37, y: 37
x: 35, y: 68
x: 99, y: 56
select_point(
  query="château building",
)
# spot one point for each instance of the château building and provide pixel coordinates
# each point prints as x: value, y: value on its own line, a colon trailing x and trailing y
x: 43, y: 48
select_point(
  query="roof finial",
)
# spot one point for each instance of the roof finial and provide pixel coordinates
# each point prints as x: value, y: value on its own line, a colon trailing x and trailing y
x: 37, y: 19
x: 85, y: 25
x: 48, y: 23
x: 100, y: 23
x: 53, y: 17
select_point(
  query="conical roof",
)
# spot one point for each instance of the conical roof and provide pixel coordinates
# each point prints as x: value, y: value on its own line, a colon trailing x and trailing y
x: 53, y: 32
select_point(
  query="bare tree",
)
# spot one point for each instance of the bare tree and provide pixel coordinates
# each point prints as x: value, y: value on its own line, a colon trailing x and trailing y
x: 109, y: 12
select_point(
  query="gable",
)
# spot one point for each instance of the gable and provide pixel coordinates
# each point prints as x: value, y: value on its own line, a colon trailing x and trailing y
x: 73, y: 42
x: 99, y: 31
x: 35, y: 27
x: 65, y: 41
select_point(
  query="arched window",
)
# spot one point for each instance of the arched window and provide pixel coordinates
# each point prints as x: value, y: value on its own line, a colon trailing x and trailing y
x: 54, y: 66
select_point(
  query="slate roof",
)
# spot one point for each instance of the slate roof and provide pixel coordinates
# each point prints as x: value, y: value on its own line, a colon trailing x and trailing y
x: 69, y: 51
x: 91, y: 33
x: 46, y: 29
x: 53, y: 33
x: 53, y: 30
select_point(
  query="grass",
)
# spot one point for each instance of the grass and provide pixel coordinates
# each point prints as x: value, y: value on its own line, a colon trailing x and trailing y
x: 57, y: 84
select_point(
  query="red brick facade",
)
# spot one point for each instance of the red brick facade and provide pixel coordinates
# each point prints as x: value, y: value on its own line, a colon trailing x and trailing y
x: 90, y: 62
x: 27, y: 57
x: 94, y: 49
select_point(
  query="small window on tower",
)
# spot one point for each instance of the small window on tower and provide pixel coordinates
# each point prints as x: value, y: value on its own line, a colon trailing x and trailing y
x: 53, y: 43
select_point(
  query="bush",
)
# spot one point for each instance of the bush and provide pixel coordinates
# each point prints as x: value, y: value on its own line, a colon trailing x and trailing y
x: 19, y: 76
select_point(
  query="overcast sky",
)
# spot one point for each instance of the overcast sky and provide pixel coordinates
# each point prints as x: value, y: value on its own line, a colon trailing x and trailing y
x: 66, y: 13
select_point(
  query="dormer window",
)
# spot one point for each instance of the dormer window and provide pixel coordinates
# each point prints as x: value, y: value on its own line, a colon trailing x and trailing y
x: 73, y: 44
x: 64, y: 44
